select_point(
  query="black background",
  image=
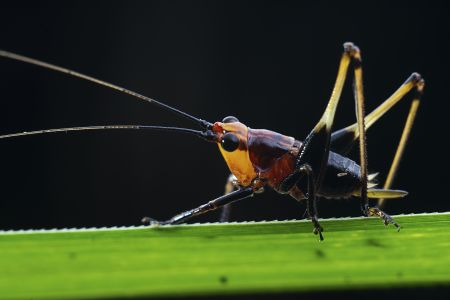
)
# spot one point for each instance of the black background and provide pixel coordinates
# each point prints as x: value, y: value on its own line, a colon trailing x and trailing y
x: 270, y: 63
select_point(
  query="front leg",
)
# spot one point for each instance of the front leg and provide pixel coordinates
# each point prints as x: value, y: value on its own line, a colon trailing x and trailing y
x: 211, y: 205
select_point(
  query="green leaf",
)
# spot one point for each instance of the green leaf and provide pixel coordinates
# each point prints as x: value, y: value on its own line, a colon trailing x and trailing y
x: 225, y: 258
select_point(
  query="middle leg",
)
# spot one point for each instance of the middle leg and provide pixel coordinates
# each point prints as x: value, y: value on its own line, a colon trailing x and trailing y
x: 317, y: 144
x: 310, y: 196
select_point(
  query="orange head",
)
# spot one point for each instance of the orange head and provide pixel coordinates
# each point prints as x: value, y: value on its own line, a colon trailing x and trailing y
x: 232, y: 139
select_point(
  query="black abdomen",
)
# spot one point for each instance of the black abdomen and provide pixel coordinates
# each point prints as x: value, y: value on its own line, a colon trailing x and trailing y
x: 342, y: 177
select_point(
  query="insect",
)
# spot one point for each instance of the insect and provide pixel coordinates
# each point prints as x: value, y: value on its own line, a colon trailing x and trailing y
x: 306, y: 169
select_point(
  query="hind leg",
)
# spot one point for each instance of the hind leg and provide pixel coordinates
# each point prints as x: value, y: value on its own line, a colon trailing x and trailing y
x: 343, y: 140
x: 403, y: 140
x: 317, y: 144
x: 358, y: 91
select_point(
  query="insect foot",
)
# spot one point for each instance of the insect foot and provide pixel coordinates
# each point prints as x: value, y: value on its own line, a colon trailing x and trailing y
x: 387, y: 219
x: 317, y: 228
x: 150, y: 221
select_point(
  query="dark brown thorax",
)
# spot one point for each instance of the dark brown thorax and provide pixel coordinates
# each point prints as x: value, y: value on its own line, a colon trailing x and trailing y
x: 273, y: 155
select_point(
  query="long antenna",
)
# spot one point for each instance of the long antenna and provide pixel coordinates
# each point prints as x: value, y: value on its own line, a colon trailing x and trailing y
x: 45, y: 65
x: 204, y: 135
